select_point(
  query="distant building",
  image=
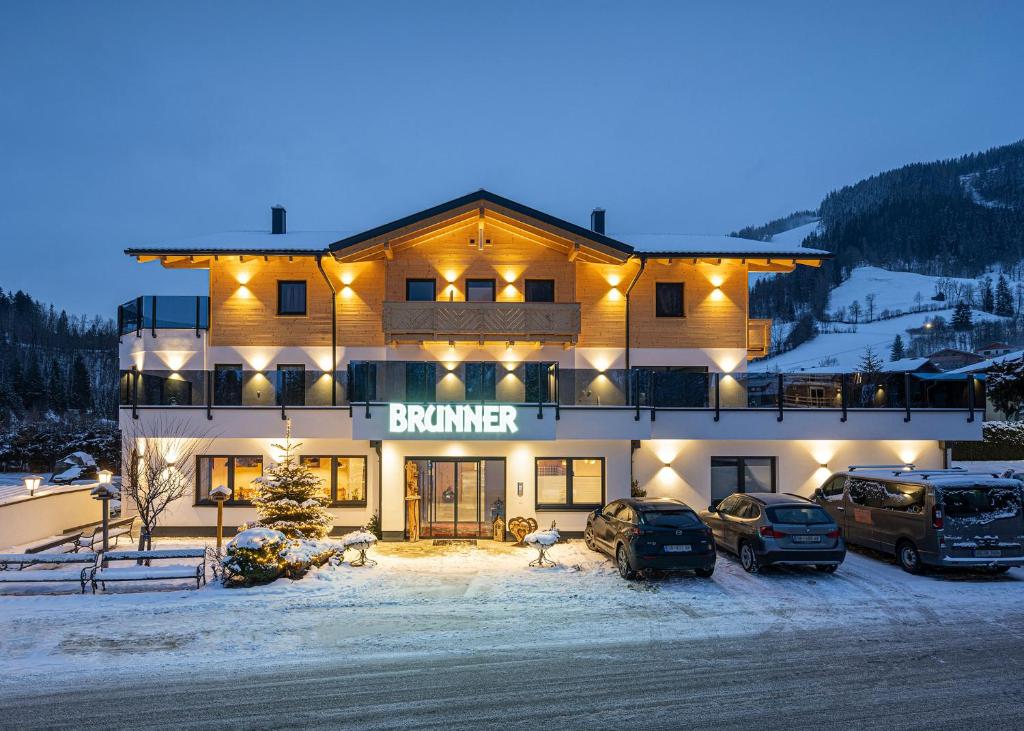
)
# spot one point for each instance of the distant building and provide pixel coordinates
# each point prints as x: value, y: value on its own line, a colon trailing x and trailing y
x: 993, y: 350
x: 910, y: 365
x: 949, y: 359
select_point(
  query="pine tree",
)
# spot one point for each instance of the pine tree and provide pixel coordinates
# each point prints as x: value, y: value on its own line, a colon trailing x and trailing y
x: 896, y: 352
x: 33, y: 393
x: 1004, y: 298
x: 290, y: 498
x: 80, y: 396
x: 962, y: 318
x: 988, y: 299
x: 55, y: 391
x: 870, y: 363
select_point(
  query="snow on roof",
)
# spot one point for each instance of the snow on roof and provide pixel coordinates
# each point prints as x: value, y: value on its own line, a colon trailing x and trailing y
x: 986, y: 364
x: 251, y: 241
x: 903, y: 364
x: 693, y: 245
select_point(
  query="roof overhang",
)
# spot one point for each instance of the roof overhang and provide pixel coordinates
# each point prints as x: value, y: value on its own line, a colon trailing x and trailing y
x: 487, y: 209
x: 201, y: 258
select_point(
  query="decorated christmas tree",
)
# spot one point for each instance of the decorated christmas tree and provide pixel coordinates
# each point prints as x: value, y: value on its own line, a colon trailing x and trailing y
x: 290, y: 498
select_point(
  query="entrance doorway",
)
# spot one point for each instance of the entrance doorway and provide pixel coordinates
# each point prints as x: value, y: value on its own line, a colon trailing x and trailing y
x: 460, y: 497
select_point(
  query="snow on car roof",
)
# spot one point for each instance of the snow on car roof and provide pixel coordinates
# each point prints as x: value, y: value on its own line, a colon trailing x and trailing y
x: 938, y: 478
x: 696, y: 245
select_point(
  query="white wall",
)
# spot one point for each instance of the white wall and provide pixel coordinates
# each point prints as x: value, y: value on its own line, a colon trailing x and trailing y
x: 50, y: 512
x: 688, y: 476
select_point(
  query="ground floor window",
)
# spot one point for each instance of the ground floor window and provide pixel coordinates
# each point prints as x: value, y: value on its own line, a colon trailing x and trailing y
x: 234, y: 472
x: 569, y: 483
x: 741, y: 474
x: 344, y: 478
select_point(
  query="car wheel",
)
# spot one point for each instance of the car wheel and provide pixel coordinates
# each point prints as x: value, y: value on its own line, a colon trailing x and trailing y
x: 1000, y: 569
x: 909, y: 558
x: 705, y: 573
x: 588, y: 538
x: 828, y: 568
x: 622, y: 561
x: 748, y: 559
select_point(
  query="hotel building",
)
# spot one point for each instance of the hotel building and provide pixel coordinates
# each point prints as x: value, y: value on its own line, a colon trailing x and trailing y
x: 506, y: 362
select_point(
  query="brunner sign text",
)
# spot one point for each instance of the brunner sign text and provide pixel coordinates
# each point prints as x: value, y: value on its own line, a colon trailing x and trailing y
x: 452, y: 419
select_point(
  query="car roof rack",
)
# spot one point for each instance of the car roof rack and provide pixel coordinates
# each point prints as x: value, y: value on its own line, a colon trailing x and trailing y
x: 906, y: 466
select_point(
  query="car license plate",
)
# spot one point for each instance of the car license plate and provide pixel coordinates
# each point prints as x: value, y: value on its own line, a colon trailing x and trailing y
x: 679, y: 549
x: 807, y: 539
x: 983, y: 553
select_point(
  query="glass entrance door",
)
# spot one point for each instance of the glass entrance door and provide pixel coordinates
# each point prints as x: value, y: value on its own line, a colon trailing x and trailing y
x: 460, y: 498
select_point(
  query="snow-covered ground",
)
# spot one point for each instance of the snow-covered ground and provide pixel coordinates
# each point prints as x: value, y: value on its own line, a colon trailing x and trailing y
x: 892, y: 290
x: 426, y: 601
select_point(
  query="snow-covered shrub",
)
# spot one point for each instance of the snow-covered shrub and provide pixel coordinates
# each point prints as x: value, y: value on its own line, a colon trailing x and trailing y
x: 301, y: 555
x: 290, y: 498
x: 254, y: 556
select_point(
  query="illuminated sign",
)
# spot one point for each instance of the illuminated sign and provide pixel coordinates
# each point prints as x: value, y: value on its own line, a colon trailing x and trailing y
x: 452, y: 419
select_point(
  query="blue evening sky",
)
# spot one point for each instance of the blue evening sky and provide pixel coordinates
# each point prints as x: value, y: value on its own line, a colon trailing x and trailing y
x: 137, y: 123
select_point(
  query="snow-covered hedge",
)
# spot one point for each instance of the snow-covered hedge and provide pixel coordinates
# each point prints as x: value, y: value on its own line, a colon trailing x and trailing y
x: 1001, y: 440
x: 261, y: 555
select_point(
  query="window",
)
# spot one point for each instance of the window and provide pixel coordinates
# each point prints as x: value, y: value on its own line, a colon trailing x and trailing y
x: 291, y: 298
x: 344, y: 478
x: 741, y: 474
x: 420, y: 382
x: 730, y: 506
x: 227, y: 385
x: 668, y: 299
x: 889, y: 495
x: 671, y: 518
x: 627, y: 515
x: 799, y: 516
x: 479, y: 290
x: 569, y: 483
x: 833, y: 489
x: 480, y: 381
x: 420, y: 290
x: 291, y: 385
x: 539, y: 290
x: 235, y: 473
x: 748, y: 510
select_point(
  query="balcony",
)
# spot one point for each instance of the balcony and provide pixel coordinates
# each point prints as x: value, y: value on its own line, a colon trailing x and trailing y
x: 163, y: 313
x: 546, y: 322
x: 759, y: 338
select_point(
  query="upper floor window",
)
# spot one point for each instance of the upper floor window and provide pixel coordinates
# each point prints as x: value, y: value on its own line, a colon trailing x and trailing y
x: 480, y: 381
x: 291, y: 385
x: 479, y: 290
x: 227, y: 385
x: 668, y: 299
x: 539, y: 290
x: 291, y: 297
x: 420, y: 290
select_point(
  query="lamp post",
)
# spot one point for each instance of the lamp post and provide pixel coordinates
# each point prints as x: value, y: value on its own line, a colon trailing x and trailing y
x: 219, y: 494
x: 32, y: 483
x: 102, y: 493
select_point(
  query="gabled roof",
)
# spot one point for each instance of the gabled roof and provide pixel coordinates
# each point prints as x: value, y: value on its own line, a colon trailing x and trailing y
x: 669, y: 245
x: 480, y: 198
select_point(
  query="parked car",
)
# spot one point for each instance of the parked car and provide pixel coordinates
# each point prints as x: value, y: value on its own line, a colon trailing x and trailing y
x: 644, y: 534
x: 766, y: 528
x: 929, y: 517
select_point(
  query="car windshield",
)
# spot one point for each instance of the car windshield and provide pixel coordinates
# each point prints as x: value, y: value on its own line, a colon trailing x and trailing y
x: 671, y: 518
x: 980, y: 502
x: 798, y: 515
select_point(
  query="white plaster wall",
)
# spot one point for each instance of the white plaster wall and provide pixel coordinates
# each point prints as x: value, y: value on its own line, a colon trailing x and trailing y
x: 519, y: 467
x: 50, y: 512
x: 688, y: 474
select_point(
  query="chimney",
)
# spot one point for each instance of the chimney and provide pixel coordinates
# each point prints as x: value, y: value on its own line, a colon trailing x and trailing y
x: 597, y: 220
x: 277, y: 219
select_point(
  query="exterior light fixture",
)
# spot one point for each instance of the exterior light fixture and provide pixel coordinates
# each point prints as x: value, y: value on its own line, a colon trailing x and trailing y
x: 824, y: 465
x: 102, y: 493
x: 104, y: 477
x: 667, y: 464
x: 219, y: 494
x: 32, y: 483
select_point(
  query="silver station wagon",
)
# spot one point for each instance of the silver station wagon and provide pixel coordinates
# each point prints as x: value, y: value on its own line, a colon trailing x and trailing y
x: 929, y: 517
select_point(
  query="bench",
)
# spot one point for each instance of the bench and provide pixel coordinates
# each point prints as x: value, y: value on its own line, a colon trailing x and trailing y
x: 68, y: 542
x: 193, y: 572
x: 11, y: 575
x: 115, y: 529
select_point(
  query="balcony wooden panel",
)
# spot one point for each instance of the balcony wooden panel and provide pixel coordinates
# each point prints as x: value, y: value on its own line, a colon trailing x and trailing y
x: 533, y: 321
x: 759, y: 338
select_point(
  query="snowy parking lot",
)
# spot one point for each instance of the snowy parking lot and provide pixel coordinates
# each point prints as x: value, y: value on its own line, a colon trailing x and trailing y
x: 422, y: 600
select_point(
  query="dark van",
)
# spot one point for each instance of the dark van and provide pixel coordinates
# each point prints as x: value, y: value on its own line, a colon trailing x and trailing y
x: 929, y: 517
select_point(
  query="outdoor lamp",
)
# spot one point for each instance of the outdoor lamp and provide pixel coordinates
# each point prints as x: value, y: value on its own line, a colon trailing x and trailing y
x: 104, y: 477
x: 219, y: 494
x: 102, y: 493
x: 32, y: 483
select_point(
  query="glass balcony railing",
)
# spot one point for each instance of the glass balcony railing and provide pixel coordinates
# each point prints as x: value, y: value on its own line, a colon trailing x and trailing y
x: 172, y: 312
x: 546, y: 383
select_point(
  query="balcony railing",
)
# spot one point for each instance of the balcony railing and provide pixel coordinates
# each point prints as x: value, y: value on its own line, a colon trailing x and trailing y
x: 163, y: 313
x: 541, y: 383
x: 537, y: 321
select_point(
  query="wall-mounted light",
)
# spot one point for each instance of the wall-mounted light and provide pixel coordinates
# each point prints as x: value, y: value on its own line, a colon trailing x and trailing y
x: 824, y: 465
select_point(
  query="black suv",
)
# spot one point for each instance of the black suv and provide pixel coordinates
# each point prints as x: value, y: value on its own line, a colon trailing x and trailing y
x: 659, y: 534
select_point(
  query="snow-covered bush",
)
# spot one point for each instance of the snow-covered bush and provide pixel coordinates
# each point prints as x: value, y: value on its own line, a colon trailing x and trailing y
x: 254, y: 556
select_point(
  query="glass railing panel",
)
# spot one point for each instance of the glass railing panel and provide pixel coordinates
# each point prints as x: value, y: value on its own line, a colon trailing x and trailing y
x: 163, y: 388
x: 812, y: 391
x: 876, y: 391
x: 170, y: 311
x: 762, y: 390
x: 592, y: 387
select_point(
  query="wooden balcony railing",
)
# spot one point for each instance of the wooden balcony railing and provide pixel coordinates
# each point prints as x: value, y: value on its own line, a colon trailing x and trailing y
x: 535, y: 321
x: 759, y: 338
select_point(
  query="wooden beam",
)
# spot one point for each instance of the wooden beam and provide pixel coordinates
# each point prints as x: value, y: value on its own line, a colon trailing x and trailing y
x: 574, y: 251
x: 389, y: 253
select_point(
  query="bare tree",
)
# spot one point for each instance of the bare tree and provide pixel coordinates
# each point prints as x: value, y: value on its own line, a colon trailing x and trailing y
x: 869, y: 300
x: 158, y: 467
x: 855, y: 311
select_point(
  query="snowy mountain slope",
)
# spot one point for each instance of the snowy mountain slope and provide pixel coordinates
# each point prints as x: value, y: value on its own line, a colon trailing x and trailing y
x: 847, y: 348
x: 796, y: 236
x: 892, y: 290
